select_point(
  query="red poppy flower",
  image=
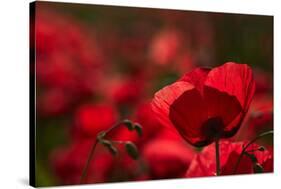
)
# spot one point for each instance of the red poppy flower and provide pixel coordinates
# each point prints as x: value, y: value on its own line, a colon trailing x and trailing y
x: 150, y: 125
x: 167, y: 158
x: 264, y: 81
x: 53, y: 102
x: 165, y: 46
x: 68, y: 163
x: 207, y: 103
x: 259, y: 118
x: 91, y: 119
x: 204, y: 164
x: 127, y: 92
x: 68, y: 60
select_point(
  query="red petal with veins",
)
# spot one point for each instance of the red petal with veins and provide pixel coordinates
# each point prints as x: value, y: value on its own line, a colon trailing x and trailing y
x: 234, y: 79
x: 165, y: 97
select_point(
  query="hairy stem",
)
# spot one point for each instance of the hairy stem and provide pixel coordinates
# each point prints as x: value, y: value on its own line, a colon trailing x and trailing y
x: 85, y: 169
x: 217, y: 157
x: 114, y: 127
x: 90, y: 157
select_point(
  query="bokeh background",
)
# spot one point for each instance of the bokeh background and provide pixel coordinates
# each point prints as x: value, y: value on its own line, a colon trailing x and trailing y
x: 96, y: 65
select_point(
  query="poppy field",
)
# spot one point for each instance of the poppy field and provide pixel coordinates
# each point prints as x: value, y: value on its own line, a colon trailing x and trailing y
x: 136, y: 94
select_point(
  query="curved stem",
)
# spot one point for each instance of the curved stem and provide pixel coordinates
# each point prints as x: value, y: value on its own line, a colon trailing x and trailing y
x: 85, y: 169
x: 118, y: 142
x: 245, y: 148
x: 217, y: 156
x: 114, y: 126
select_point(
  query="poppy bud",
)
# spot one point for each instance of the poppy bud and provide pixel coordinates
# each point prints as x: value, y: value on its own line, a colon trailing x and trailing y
x: 128, y: 124
x: 132, y: 150
x: 138, y: 128
x: 258, y: 168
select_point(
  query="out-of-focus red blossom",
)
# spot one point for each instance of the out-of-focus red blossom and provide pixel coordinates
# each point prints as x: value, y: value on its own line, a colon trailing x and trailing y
x: 165, y: 46
x: 259, y: 118
x: 127, y: 169
x: 207, y: 103
x: 204, y: 163
x: 167, y: 158
x: 53, y: 102
x: 150, y: 126
x: 145, y: 117
x: 90, y: 119
x: 169, y: 134
x: 263, y: 81
x: 68, y: 163
x: 66, y: 57
x: 123, y: 134
x: 127, y: 92
x: 261, y: 114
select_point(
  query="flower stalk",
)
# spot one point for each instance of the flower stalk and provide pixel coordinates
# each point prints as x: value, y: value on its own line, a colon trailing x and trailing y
x: 109, y: 144
x: 85, y: 169
x: 218, y: 172
x: 245, y: 148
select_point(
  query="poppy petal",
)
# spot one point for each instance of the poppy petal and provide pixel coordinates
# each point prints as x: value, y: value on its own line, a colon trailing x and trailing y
x: 204, y: 164
x: 188, y: 113
x: 223, y: 106
x: 196, y: 77
x: 235, y: 80
x: 205, y: 104
x: 165, y: 97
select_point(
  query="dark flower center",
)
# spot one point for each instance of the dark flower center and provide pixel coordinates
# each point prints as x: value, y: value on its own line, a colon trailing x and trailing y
x: 213, y: 127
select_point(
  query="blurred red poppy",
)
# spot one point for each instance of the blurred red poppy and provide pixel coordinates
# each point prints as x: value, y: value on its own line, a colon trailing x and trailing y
x: 261, y: 116
x: 207, y: 103
x: 52, y: 102
x: 167, y: 158
x: 165, y: 46
x: 68, y: 163
x: 91, y: 119
x: 204, y: 164
x: 128, y: 92
x: 68, y: 62
x: 150, y: 125
x: 262, y: 104
x: 264, y: 81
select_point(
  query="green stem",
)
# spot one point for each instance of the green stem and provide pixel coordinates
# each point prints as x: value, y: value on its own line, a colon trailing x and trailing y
x: 114, y: 127
x: 85, y: 169
x: 118, y: 142
x: 217, y: 157
x: 245, y: 148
